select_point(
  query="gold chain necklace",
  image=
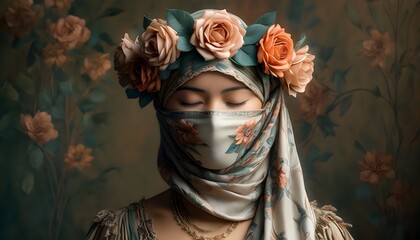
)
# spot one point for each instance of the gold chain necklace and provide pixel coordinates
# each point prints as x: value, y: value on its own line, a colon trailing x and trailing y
x: 183, y: 220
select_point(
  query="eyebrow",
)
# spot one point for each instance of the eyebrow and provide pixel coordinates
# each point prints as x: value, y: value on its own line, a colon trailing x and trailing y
x: 194, y: 89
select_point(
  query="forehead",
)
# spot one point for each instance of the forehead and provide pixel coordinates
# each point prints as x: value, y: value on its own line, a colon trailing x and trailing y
x: 213, y: 80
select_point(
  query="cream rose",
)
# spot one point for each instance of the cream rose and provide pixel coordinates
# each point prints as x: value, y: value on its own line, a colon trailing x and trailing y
x: 71, y: 31
x: 217, y: 35
x: 159, y: 44
x: 300, y: 73
x: 275, y: 51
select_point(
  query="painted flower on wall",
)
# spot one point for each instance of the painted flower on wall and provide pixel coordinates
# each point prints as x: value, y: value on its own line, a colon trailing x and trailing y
x: 399, y: 191
x: 376, y: 166
x: 54, y: 54
x: 21, y: 17
x: 312, y: 103
x: 96, y: 66
x: 78, y: 156
x: 70, y: 31
x: 59, y: 4
x: 377, y: 48
x: 38, y: 128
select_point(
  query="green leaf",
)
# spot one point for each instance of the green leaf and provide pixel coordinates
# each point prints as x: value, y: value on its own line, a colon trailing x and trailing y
x: 36, y: 157
x: 60, y: 75
x: 100, y: 117
x: 30, y: 58
x: 146, y: 22
x: 86, y: 106
x: 359, y: 147
x: 353, y: 14
x: 66, y: 86
x: 145, y: 98
x: 315, y: 155
x: 184, y: 44
x: 87, y: 121
x: 267, y: 19
x: 97, y: 95
x: 5, y: 121
x: 25, y: 83
x: 57, y: 112
x: 254, y: 33
x: 233, y: 148
x: 246, y: 56
x: 325, y: 53
x: 300, y: 42
x: 181, y: 21
x: 345, y: 104
x: 326, y: 125
x: 28, y: 183
x: 376, y: 15
x: 109, y: 12
x: 106, y: 38
x: 339, y: 77
x: 132, y: 93
x: 44, y: 100
x: 9, y: 92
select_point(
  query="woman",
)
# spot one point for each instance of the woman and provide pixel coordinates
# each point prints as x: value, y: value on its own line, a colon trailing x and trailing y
x: 227, y: 147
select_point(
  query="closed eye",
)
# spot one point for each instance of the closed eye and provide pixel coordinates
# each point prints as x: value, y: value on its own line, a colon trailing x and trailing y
x: 188, y: 104
x: 230, y: 104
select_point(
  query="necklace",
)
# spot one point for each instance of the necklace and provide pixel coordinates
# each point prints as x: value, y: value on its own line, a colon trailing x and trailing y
x: 184, y: 221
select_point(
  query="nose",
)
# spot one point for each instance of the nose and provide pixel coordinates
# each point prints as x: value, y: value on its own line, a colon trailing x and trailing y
x: 215, y: 104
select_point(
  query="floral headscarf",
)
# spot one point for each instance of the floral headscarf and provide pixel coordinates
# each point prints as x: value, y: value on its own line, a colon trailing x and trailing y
x: 266, y: 183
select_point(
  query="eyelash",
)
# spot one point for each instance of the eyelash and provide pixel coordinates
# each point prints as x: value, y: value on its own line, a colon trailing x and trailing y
x: 185, y: 104
x: 236, y: 104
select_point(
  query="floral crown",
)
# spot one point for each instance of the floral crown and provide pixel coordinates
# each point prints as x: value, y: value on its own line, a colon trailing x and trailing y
x: 216, y: 34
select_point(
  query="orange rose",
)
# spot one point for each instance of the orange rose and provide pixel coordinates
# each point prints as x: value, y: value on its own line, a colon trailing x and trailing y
x: 217, y: 34
x: 97, y: 66
x: 71, y: 31
x: 275, y: 51
x: 39, y: 128
x: 300, y: 72
x: 159, y: 44
x: 54, y: 55
x: 21, y: 17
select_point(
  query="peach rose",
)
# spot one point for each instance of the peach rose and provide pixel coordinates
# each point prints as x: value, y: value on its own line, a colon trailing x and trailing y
x: 159, y: 44
x: 275, y: 51
x: 39, y: 128
x: 21, y: 17
x: 97, y: 66
x: 54, y: 55
x: 71, y: 31
x: 125, y: 53
x: 217, y: 34
x: 78, y: 156
x: 59, y: 4
x: 300, y: 72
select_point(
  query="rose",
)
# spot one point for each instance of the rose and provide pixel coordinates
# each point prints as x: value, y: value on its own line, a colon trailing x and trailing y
x: 21, y: 17
x: 59, y: 4
x: 159, y: 44
x: 141, y: 76
x: 300, y: 72
x: 39, y: 128
x: 217, y: 35
x: 54, y: 55
x: 275, y: 51
x: 71, y: 31
x: 126, y: 52
x: 97, y: 66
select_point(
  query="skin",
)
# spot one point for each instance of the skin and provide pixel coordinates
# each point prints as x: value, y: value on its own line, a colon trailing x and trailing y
x: 213, y: 91
x: 205, y: 92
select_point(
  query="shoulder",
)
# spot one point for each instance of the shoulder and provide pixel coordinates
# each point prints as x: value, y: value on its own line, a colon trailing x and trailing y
x: 124, y: 223
x: 330, y: 226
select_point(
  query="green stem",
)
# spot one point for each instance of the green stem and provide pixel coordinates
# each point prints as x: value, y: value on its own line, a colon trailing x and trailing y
x: 387, y: 85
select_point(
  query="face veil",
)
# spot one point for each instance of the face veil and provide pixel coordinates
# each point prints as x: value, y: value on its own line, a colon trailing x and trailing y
x: 263, y: 182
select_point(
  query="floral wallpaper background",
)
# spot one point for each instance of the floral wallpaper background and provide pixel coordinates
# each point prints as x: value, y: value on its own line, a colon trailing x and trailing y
x: 71, y: 144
